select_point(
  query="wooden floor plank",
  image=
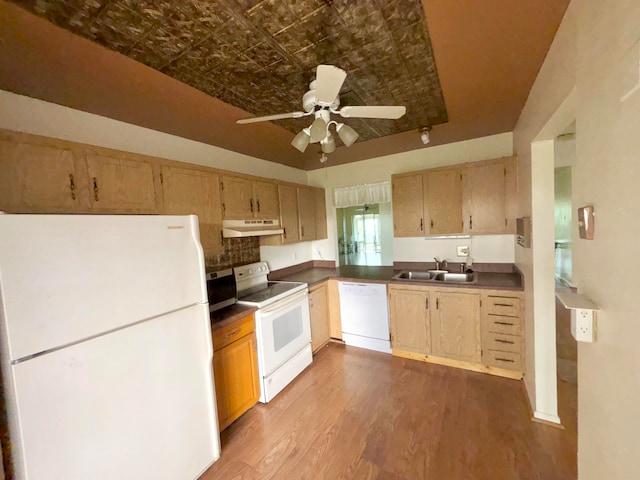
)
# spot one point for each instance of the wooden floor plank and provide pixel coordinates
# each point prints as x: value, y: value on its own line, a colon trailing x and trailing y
x: 357, y: 414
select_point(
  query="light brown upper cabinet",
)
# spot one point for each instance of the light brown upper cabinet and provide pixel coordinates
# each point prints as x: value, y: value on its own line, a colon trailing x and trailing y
x: 511, y: 193
x: 307, y: 214
x: 190, y: 191
x: 53, y: 176
x: 265, y: 197
x: 321, y: 214
x: 443, y: 201
x: 37, y: 178
x: 243, y: 198
x: 484, y: 194
x: 455, y: 326
x: 288, y: 196
x: 408, y: 209
x: 120, y: 184
x: 474, y: 198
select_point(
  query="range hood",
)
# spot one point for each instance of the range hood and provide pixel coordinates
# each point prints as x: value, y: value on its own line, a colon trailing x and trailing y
x: 250, y: 228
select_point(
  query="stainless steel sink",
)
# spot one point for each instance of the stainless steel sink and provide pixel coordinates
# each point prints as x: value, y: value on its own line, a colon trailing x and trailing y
x: 405, y: 275
x: 432, y: 277
x: 456, y: 277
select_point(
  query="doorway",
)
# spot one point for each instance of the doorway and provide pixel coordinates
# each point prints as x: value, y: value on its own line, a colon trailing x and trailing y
x: 359, y: 235
x: 565, y: 227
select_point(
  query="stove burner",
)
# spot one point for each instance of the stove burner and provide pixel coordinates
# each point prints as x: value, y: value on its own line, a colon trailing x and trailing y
x: 262, y: 293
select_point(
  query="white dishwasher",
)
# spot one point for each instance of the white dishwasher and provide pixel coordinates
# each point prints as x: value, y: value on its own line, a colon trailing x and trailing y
x: 364, y: 313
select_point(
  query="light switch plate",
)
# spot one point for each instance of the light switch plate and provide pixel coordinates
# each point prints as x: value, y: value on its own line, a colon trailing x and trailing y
x: 462, y: 250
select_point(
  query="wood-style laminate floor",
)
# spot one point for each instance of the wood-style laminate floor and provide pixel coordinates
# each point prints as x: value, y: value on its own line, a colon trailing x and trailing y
x: 358, y: 414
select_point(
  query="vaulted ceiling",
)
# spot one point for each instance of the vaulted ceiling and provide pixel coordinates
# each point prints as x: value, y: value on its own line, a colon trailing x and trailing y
x: 465, y: 67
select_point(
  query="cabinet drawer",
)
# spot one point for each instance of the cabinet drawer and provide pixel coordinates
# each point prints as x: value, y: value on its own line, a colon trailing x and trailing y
x: 509, y: 306
x: 500, y: 324
x: 232, y: 332
x: 506, y: 360
x: 505, y: 343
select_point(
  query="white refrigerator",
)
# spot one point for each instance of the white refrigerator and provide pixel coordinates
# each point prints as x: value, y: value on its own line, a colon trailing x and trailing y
x: 106, y: 347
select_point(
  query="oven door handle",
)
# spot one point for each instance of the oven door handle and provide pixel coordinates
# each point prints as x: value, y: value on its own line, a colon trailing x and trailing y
x: 283, y: 304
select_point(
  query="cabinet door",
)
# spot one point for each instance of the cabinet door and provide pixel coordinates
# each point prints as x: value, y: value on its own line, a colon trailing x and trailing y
x: 289, y: 213
x: 120, y: 185
x: 443, y: 201
x: 321, y: 214
x: 319, y: 317
x: 187, y: 191
x: 237, y: 198
x: 333, y: 299
x: 455, y: 326
x: 307, y: 214
x: 511, y: 194
x: 37, y: 178
x: 235, y: 373
x: 408, y: 212
x: 484, y: 190
x: 409, y: 316
x: 265, y: 198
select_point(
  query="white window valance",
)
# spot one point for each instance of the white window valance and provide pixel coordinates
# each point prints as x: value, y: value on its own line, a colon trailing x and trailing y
x: 362, y: 194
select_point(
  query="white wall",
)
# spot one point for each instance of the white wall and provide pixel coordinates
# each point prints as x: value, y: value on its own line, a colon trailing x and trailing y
x: 491, y: 248
x: 483, y: 248
x: 597, y: 53
x: 29, y: 115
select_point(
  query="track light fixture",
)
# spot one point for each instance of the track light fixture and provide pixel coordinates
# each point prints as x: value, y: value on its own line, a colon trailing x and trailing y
x: 424, y: 135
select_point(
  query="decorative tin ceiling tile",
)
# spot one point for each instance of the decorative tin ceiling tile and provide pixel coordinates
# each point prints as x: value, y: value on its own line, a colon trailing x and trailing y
x: 261, y: 55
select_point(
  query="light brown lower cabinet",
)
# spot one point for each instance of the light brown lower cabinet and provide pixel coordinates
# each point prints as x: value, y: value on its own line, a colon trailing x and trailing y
x: 319, y: 312
x: 335, y: 322
x: 235, y: 370
x: 409, y: 317
x: 472, y: 328
x: 455, y: 326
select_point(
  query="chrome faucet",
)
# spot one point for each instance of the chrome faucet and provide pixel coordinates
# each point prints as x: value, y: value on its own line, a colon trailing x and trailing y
x: 440, y: 264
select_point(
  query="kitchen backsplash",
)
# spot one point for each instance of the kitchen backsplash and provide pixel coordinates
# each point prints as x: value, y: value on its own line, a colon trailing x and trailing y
x: 237, y: 251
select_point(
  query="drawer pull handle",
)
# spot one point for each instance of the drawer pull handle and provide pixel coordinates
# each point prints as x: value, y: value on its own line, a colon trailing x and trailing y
x: 504, y: 323
x: 95, y: 188
x: 233, y: 333
x: 72, y: 186
x: 504, y: 341
x: 503, y: 304
x: 505, y: 360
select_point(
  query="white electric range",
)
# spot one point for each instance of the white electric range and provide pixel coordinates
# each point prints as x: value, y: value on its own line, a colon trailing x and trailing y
x: 283, y: 326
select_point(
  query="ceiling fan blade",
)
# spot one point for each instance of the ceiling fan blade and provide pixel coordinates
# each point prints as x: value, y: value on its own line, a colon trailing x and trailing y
x: 329, y: 80
x: 278, y: 116
x: 391, y: 112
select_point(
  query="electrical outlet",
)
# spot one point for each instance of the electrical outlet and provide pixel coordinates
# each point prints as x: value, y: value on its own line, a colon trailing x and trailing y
x: 582, y: 324
x: 462, y: 250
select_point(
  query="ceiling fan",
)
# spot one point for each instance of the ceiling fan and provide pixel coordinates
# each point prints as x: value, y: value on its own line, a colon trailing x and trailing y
x: 322, y: 100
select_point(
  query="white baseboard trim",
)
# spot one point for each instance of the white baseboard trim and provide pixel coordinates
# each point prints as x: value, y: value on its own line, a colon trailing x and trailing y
x: 546, y: 417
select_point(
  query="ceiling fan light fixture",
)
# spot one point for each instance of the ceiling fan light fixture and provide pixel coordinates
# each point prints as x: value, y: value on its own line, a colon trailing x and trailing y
x: 301, y: 140
x: 318, y: 130
x: 347, y: 134
x: 328, y: 144
x: 424, y: 135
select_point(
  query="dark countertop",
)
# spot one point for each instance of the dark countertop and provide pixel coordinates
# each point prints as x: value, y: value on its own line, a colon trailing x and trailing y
x: 312, y: 276
x: 223, y: 317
